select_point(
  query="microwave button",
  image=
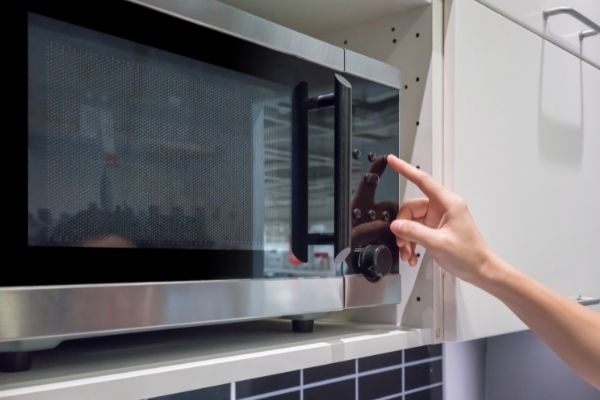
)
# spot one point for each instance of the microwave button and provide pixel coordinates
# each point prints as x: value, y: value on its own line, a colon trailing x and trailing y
x: 386, y: 215
x: 372, y: 214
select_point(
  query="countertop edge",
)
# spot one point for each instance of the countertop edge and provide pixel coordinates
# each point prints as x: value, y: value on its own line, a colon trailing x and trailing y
x: 259, y: 359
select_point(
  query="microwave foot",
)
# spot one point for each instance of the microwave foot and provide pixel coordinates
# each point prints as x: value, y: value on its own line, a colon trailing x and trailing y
x: 15, y: 361
x: 303, y: 325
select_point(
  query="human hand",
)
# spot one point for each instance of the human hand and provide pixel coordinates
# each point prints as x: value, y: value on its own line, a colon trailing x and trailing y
x: 441, y: 223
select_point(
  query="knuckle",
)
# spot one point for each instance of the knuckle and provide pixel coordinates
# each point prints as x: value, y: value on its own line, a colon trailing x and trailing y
x: 460, y: 203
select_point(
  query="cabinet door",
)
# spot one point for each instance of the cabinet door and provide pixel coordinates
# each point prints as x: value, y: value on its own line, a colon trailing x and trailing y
x: 522, y: 145
x: 561, y: 28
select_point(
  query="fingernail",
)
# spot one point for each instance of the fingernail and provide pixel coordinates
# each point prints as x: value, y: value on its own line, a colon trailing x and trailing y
x: 395, y: 225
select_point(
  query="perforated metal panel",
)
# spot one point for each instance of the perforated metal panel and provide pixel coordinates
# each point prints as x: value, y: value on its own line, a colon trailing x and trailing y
x: 133, y: 146
x: 140, y: 147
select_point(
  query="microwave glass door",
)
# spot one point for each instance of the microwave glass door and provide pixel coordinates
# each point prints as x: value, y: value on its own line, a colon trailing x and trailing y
x: 136, y: 146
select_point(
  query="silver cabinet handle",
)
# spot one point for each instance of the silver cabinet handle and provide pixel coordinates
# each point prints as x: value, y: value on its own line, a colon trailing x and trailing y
x: 575, y: 14
x: 587, y: 33
x: 587, y: 301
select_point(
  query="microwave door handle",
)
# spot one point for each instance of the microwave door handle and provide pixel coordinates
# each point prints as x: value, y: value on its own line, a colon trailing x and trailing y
x: 343, y: 167
x: 341, y: 99
x: 300, y: 172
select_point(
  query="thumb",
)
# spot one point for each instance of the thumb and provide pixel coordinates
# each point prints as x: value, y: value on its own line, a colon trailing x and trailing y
x: 414, y: 232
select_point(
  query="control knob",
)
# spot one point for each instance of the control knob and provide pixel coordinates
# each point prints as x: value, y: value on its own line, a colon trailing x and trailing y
x: 374, y: 261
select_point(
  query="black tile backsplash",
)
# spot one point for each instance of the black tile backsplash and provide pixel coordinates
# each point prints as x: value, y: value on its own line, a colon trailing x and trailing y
x: 286, y: 396
x: 380, y: 361
x: 329, y: 371
x: 377, y: 376
x: 435, y: 393
x: 380, y: 384
x: 420, y: 353
x: 221, y: 392
x: 339, y: 390
x: 266, y: 384
x: 423, y: 374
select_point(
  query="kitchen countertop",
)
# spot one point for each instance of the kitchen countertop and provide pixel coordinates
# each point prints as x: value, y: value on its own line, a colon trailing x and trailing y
x: 158, y: 363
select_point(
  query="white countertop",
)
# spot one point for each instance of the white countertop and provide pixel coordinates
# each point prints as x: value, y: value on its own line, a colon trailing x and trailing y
x: 158, y: 363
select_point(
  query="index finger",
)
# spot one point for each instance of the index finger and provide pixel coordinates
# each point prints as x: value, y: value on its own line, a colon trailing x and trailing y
x: 429, y: 186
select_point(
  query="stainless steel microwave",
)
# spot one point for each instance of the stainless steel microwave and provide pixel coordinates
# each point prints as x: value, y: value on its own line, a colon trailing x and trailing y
x: 187, y: 163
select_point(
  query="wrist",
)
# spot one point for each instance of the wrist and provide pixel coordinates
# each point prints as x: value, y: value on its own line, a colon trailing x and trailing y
x: 486, y: 270
x: 494, y: 273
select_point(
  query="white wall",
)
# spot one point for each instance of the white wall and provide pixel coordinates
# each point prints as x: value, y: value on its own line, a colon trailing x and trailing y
x: 464, y: 370
x: 516, y: 366
x: 521, y: 367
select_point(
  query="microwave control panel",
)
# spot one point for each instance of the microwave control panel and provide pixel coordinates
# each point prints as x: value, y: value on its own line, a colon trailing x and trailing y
x: 374, y: 246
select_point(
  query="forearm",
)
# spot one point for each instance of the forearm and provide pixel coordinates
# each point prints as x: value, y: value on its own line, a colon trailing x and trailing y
x: 571, y: 330
x: 443, y: 224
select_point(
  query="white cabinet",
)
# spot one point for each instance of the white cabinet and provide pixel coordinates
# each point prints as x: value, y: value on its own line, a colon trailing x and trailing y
x: 522, y: 145
x: 559, y: 21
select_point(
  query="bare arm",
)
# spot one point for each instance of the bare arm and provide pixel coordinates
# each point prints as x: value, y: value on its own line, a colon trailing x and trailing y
x: 570, y: 329
x: 443, y: 224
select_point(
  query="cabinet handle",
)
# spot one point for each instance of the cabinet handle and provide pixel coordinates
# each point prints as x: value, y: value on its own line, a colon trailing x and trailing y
x: 587, y: 301
x: 587, y: 33
x: 577, y: 15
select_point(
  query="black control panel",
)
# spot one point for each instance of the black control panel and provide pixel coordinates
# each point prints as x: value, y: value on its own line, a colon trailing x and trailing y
x: 374, y: 251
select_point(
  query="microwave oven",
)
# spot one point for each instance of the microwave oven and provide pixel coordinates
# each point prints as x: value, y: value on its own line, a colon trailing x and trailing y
x: 186, y: 163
